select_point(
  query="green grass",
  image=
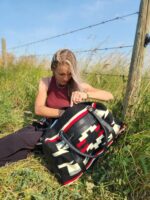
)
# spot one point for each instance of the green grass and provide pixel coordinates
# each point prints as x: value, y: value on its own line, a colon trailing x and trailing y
x: 123, y: 173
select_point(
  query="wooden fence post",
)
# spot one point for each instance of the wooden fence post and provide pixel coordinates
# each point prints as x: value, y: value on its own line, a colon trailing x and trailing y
x: 135, y: 71
x: 4, y: 54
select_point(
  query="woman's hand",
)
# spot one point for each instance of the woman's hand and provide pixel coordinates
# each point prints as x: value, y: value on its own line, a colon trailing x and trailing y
x: 78, y: 97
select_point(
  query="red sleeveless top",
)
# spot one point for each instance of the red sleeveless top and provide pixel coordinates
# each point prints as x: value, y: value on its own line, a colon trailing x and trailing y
x: 57, y: 97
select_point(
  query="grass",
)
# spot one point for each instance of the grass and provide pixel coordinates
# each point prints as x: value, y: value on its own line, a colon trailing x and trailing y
x: 123, y: 173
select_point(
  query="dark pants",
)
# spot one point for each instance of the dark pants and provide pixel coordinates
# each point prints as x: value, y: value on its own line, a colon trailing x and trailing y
x: 16, y: 146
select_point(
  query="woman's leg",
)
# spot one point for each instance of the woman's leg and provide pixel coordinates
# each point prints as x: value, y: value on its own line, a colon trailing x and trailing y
x: 19, y: 155
x: 16, y: 146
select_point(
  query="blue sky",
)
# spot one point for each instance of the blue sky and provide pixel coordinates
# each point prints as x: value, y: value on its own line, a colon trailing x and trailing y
x: 24, y: 21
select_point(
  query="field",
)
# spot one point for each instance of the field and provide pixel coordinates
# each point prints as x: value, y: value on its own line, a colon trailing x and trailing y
x: 122, y: 174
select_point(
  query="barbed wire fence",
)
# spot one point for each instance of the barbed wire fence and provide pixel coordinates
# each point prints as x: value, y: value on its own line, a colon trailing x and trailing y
x: 74, y: 31
x: 94, y: 50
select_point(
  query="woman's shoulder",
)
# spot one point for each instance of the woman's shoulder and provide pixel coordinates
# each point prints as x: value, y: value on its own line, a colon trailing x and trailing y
x: 44, y: 82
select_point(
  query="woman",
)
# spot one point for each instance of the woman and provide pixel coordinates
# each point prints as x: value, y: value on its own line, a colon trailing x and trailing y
x: 55, y: 93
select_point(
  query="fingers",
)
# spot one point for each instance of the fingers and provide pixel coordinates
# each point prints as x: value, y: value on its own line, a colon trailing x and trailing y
x: 77, y: 97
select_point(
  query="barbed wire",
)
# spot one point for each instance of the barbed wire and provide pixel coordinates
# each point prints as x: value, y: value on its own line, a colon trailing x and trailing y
x: 90, y: 50
x: 105, y: 74
x: 73, y: 31
x: 123, y: 76
x: 104, y: 49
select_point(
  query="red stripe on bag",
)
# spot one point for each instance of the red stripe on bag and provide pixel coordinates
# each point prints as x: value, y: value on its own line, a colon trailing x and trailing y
x: 100, y: 133
x: 81, y: 143
x: 75, y: 120
x: 98, y: 127
x: 110, y: 143
x: 94, y: 105
x: 47, y: 140
x: 85, y: 148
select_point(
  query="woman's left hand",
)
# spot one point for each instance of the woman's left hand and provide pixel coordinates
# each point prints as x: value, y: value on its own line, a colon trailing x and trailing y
x: 78, y: 97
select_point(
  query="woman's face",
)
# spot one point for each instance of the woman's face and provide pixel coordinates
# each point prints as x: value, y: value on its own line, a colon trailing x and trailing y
x: 62, y: 74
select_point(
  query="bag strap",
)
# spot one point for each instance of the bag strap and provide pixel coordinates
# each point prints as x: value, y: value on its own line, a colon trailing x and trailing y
x: 107, y: 129
x: 61, y: 133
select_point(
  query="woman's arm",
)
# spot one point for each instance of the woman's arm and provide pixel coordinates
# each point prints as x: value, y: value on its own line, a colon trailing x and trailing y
x: 97, y: 93
x: 90, y: 92
x: 40, y: 102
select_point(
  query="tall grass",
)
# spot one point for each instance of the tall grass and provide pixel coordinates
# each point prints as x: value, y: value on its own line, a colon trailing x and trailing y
x: 123, y: 173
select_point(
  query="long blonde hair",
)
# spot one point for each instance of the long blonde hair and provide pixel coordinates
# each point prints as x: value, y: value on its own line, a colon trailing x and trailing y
x: 65, y: 56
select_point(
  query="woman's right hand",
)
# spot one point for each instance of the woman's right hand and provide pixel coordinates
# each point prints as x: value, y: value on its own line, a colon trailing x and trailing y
x: 78, y: 97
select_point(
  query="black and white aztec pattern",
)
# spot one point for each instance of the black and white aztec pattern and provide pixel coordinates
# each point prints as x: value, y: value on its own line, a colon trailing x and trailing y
x: 85, y: 133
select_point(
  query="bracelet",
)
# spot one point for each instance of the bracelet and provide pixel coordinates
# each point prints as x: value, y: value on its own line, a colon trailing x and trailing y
x: 61, y: 112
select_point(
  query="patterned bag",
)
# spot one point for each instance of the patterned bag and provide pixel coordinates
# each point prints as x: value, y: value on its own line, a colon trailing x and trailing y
x: 82, y: 134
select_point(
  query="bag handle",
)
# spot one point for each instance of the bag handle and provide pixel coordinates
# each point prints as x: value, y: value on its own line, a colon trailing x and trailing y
x: 107, y: 128
x: 61, y: 133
